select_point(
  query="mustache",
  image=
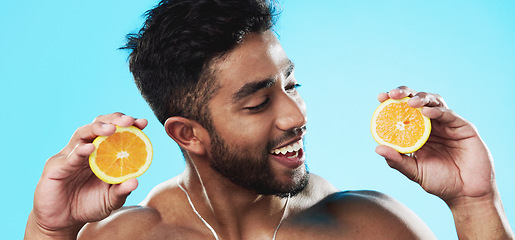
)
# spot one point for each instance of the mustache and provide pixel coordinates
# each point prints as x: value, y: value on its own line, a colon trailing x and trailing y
x: 288, y: 135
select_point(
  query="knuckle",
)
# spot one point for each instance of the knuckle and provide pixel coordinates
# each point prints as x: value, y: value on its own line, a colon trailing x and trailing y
x: 80, y: 130
x: 99, y: 118
x: 422, y: 94
x: 56, y: 156
x: 439, y: 98
x: 117, y: 114
x: 407, y: 90
x: 52, y: 162
x: 108, y: 117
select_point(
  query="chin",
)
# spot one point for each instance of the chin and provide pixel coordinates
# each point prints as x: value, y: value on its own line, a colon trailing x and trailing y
x: 296, y: 182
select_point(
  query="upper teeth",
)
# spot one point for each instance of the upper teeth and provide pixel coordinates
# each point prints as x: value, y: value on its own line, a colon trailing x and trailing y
x: 290, y: 148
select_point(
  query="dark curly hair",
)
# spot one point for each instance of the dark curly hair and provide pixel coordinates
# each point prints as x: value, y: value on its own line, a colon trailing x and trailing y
x: 172, y: 52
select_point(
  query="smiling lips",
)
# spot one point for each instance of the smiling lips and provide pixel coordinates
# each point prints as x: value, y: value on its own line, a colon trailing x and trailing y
x: 291, y: 156
x: 291, y: 150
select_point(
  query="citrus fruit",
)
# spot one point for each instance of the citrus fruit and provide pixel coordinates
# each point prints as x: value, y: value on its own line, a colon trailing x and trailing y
x: 125, y: 154
x: 400, y: 126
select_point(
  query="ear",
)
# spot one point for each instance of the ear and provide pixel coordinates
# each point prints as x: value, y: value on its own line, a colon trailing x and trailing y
x: 189, y: 134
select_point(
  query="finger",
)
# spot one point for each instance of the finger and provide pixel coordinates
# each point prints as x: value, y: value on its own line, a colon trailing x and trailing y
x: 397, y: 93
x: 422, y: 99
x: 90, y: 131
x: 120, y: 192
x: 87, y: 134
x: 78, y: 156
x: 141, y: 123
x: 122, y: 120
x: 382, y: 97
x: 108, y: 118
x: 447, y: 116
x: 104, y: 126
x: 116, y: 118
x: 402, y: 163
x: 62, y: 166
x: 401, y: 92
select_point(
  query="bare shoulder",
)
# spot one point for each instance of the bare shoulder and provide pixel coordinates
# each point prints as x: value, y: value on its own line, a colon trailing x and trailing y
x: 118, y: 224
x: 154, y: 218
x: 382, y: 213
x: 361, y: 215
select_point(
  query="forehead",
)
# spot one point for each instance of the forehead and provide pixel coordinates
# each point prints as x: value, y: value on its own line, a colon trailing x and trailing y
x: 259, y: 56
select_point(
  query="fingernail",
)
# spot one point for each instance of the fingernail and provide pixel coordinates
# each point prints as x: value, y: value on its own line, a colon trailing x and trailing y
x: 127, y: 118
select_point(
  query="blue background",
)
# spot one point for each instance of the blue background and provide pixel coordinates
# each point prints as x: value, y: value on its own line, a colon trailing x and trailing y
x: 60, y: 67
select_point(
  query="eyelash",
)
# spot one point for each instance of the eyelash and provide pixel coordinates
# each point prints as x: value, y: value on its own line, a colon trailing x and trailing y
x: 267, y: 100
x: 293, y: 87
x: 260, y: 106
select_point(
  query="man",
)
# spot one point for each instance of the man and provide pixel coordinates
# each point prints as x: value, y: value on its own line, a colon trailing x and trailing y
x: 218, y: 79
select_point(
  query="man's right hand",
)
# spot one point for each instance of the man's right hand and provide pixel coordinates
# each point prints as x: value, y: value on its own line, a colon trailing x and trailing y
x: 68, y: 194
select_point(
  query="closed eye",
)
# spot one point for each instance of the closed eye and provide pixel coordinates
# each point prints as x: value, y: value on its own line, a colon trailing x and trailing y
x: 259, y: 107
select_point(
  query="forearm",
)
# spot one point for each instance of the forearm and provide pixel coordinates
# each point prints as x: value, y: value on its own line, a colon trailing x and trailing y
x: 481, y: 219
x: 35, y: 231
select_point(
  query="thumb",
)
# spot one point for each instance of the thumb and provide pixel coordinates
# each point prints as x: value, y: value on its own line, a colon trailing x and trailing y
x: 402, y: 163
x: 120, y: 192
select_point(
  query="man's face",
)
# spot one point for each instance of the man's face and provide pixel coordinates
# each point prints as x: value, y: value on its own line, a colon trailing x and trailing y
x: 258, y: 118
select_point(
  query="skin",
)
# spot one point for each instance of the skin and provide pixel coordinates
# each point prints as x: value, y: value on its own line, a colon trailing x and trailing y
x: 455, y: 165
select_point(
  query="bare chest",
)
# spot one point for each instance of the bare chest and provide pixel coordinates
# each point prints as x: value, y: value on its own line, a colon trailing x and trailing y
x: 287, y: 231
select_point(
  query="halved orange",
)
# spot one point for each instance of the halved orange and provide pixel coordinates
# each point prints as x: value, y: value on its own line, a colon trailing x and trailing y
x: 125, y: 154
x: 400, y: 126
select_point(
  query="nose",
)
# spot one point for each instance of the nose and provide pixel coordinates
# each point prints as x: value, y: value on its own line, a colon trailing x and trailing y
x: 291, y: 113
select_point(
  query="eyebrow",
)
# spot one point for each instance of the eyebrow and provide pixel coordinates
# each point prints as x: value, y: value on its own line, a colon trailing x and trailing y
x: 253, y: 87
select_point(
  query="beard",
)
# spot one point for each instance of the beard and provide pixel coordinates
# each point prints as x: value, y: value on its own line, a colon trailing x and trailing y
x: 250, y: 168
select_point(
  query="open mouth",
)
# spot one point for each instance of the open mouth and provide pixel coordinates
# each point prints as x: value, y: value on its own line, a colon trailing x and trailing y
x: 290, y: 151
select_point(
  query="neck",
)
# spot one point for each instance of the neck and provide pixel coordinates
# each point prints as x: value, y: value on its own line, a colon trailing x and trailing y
x: 231, y: 210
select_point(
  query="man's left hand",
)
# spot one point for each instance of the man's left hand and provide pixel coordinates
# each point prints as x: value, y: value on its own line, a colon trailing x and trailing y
x: 454, y: 163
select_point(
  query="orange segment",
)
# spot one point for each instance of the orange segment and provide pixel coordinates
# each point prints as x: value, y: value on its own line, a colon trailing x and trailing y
x: 125, y: 154
x: 400, y: 126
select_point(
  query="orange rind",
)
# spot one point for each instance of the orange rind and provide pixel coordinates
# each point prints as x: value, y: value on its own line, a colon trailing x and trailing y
x: 400, y: 126
x: 124, y: 155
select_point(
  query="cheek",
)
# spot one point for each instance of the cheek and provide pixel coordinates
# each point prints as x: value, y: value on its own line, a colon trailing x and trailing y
x: 251, y: 133
x: 243, y: 130
x: 254, y: 134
